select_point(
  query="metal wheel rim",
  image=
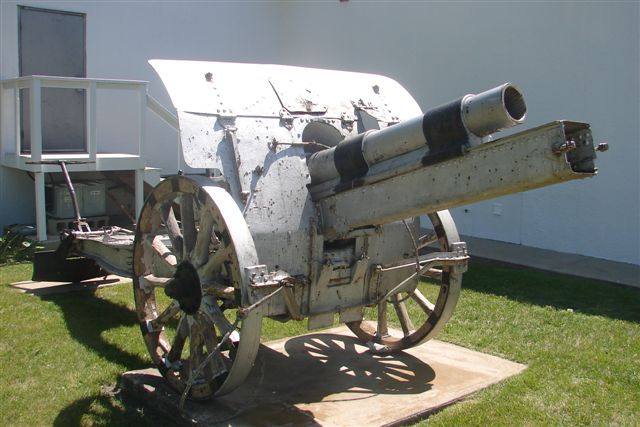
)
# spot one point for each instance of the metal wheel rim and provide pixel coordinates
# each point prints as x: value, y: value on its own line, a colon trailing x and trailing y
x: 380, y: 335
x: 189, y: 219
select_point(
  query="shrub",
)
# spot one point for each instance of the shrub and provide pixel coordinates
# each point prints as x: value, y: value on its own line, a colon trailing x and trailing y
x: 14, y: 247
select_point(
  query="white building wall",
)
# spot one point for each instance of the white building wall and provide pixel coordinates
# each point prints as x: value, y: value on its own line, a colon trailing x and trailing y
x: 121, y: 37
x: 573, y: 60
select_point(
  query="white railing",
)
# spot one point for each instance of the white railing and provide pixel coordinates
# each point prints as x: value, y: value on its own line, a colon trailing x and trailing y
x: 37, y: 160
x: 35, y: 84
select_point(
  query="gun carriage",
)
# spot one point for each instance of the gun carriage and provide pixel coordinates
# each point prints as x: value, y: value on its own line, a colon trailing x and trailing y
x: 316, y: 182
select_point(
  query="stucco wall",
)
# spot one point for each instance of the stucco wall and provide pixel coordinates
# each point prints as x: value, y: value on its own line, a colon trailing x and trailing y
x: 573, y: 60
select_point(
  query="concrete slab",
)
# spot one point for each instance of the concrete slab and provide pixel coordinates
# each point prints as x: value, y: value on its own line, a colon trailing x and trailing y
x: 557, y: 262
x: 47, y: 288
x: 330, y: 379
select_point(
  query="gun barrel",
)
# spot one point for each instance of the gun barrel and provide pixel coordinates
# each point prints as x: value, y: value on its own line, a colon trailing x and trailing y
x: 526, y: 160
x: 445, y: 131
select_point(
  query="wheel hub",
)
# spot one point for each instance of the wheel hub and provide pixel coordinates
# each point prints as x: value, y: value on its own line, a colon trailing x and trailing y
x: 185, y: 287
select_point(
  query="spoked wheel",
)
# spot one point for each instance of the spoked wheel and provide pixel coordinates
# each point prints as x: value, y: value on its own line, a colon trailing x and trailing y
x: 416, y: 314
x: 190, y: 252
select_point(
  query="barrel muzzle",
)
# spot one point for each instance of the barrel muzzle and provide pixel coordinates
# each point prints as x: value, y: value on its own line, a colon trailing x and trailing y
x: 495, y: 109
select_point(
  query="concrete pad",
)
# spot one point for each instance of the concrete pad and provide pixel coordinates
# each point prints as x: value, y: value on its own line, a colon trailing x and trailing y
x: 48, y: 288
x: 330, y: 379
x: 556, y: 262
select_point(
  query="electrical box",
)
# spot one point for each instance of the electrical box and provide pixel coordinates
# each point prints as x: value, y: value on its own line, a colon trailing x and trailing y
x: 93, y: 199
x: 58, y: 200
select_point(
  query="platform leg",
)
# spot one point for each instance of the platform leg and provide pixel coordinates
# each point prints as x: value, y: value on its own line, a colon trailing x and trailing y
x: 41, y: 214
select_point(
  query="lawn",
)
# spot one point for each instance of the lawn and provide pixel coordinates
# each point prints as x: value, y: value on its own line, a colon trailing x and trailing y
x: 61, y: 354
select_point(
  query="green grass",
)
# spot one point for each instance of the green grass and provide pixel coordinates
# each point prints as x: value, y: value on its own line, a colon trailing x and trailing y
x: 58, y: 352
x: 579, y: 338
x: 15, y: 248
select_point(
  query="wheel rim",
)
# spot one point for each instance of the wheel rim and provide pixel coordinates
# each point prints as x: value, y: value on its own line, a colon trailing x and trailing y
x: 409, y: 318
x: 190, y: 252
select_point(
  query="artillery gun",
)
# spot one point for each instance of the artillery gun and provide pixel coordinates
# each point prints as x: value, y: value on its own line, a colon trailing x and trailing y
x: 310, y: 207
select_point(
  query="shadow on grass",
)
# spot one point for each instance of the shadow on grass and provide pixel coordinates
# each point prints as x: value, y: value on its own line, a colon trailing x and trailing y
x: 107, y: 410
x: 548, y: 289
x: 87, y: 316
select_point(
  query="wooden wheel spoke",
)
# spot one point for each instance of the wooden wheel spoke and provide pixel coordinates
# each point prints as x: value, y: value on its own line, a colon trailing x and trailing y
x: 173, y: 228
x: 214, y: 264
x: 203, y: 239
x: 433, y: 273
x: 427, y: 239
x: 422, y: 301
x: 188, y: 219
x: 163, y: 344
x: 182, y: 332
x: 215, y: 316
x: 151, y: 281
x: 216, y: 362
x: 196, y: 341
x: 403, y: 315
x: 218, y: 290
x: 170, y: 312
x: 160, y: 261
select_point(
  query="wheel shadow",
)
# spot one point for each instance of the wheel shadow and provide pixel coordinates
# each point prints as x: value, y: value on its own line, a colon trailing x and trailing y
x: 331, y: 368
x: 87, y: 316
x: 322, y: 367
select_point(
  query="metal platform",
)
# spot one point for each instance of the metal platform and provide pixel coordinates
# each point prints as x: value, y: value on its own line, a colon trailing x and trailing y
x: 328, y: 378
